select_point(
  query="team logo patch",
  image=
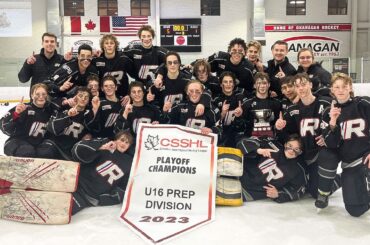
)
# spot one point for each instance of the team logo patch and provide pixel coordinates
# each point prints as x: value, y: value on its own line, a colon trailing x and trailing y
x: 137, y: 56
x: 67, y: 68
x: 106, y: 107
x: 100, y: 63
x: 294, y: 112
x: 221, y: 66
x: 184, y: 110
x: 323, y: 125
x: 30, y: 112
x: 57, y: 64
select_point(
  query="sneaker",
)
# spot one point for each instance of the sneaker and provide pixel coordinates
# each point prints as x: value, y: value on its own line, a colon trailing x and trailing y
x: 322, y: 201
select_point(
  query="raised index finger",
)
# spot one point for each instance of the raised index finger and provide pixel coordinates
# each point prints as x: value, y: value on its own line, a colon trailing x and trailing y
x: 333, y: 102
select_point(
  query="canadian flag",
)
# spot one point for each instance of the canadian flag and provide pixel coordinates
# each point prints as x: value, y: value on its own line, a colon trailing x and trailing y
x: 87, y: 26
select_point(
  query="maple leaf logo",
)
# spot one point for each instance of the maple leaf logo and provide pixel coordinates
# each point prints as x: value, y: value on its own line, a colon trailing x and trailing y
x: 90, y: 25
x: 151, y: 142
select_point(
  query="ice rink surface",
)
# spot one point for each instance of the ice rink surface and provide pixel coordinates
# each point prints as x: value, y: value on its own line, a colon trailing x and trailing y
x: 259, y: 222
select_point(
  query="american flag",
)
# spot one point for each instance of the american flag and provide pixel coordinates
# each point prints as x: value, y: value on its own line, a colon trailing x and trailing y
x: 127, y: 25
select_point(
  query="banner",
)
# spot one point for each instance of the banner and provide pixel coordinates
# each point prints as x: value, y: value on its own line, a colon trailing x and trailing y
x: 172, y: 183
x: 100, y: 25
x: 308, y: 27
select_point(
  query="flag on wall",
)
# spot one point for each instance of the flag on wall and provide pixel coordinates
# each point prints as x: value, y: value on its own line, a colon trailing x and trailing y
x: 127, y: 26
x: 100, y: 25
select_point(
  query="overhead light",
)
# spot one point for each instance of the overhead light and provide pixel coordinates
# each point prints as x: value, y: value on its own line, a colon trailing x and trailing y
x: 297, y: 2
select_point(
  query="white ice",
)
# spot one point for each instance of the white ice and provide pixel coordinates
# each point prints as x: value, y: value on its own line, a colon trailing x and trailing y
x: 259, y: 222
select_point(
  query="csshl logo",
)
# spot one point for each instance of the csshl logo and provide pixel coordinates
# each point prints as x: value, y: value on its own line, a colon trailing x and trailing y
x: 154, y: 142
x: 321, y: 46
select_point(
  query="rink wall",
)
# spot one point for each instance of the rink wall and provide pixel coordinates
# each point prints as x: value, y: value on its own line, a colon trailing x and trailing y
x: 13, y: 94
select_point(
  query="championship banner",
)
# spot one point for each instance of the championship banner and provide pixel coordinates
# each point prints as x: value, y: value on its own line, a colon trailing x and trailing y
x: 172, y: 183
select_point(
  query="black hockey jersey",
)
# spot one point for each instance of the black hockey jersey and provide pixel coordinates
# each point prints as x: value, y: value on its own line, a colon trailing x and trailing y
x: 118, y: 67
x: 285, y: 103
x: 212, y: 84
x: 305, y: 120
x: 173, y: 90
x: 287, y: 175
x: 184, y: 114
x: 66, y: 131
x: 102, y: 171
x: 69, y: 69
x: 107, y: 116
x: 232, y: 127
x: 146, y: 61
x: 220, y: 62
x: 30, y: 125
x: 143, y: 114
x: 351, y: 134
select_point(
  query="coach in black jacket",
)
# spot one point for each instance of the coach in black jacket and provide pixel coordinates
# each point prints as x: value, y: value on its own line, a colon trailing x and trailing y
x: 41, y: 66
x: 279, y: 67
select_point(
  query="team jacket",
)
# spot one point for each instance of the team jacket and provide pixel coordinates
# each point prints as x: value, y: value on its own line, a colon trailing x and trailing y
x: 273, y: 69
x: 41, y: 69
x: 319, y: 77
x: 351, y: 134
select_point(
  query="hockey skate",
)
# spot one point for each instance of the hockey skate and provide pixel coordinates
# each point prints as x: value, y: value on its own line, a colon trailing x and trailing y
x: 321, y: 202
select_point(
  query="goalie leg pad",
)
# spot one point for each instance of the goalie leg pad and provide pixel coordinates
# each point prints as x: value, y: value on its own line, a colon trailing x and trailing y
x: 229, y: 162
x: 37, y: 207
x: 38, y: 174
x: 228, y: 192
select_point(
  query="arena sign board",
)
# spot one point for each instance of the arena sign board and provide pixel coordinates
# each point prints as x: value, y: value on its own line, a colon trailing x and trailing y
x: 321, y: 46
x: 172, y: 183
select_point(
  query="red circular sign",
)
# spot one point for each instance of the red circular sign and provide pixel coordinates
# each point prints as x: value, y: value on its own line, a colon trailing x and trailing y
x: 180, y: 40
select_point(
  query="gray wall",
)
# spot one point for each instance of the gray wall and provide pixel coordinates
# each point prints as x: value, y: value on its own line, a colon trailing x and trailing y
x: 14, y: 50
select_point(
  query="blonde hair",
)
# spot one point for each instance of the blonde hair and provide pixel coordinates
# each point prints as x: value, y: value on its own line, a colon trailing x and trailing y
x: 347, y: 80
x: 255, y: 44
x: 194, y: 81
x: 107, y: 37
x: 39, y: 85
